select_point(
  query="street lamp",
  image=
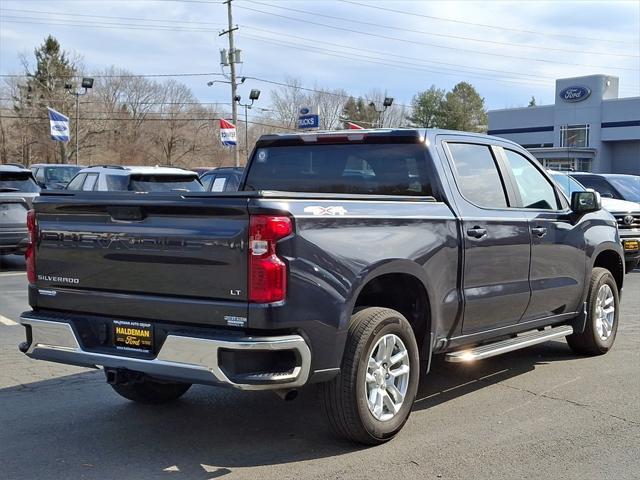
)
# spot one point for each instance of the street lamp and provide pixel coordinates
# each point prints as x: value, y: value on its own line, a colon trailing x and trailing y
x: 253, y: 96
x: 388, y: 101
x: 87, y: 83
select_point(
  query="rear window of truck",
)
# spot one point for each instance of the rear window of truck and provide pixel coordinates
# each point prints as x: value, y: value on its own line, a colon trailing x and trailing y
x: 388, y: 169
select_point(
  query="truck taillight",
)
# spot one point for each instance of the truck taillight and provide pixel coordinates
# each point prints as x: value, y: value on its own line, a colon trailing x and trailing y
x: 30, y: 252
x: 267, y: 272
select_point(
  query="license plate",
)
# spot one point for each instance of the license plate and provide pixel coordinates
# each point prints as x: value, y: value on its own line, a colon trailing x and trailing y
x: 630, y: 245
x: 134, y: 336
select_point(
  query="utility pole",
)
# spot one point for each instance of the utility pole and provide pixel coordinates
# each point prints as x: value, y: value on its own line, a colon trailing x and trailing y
x: 233, y: 59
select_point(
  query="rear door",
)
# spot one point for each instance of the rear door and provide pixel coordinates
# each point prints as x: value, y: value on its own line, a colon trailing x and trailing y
x: 558, y: 245
x: 496, y: 239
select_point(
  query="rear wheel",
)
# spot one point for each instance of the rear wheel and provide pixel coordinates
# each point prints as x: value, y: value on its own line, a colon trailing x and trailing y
x: 602, y: 316
x: 151, y: 392
x: 371, y: 399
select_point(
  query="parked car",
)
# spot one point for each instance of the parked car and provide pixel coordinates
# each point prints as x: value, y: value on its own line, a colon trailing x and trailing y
x: 113, y: 178
x: 17, y: 190
x: 611, y: 185
x: 54, y: 176
x: 223, y: 179
x: 449, y: 243
x: 627, y: 213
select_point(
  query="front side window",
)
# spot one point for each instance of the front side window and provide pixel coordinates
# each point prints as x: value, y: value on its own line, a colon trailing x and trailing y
x: 206, y: 181
x: 90, y: 182
x: 535, y: 190
x: 477, y: 175
x: 574, y: 136
x: 600, y: 185
x: 76, y: 183
x: 60, y: 174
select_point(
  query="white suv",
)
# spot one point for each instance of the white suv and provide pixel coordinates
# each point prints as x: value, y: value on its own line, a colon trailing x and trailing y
x: 114, y: 178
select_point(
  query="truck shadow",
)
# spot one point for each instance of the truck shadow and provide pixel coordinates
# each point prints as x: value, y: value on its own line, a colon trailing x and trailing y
x: 75, y: 426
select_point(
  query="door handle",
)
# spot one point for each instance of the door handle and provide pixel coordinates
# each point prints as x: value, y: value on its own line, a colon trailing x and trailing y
x: 539, y: 231
x: 476, y: 232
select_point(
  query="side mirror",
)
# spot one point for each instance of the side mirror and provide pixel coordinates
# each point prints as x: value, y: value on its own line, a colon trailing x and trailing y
x: 585, y: 202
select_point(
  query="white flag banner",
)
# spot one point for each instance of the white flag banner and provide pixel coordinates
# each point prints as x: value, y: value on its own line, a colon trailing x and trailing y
x: 227, y: 133
x: 59, y: 126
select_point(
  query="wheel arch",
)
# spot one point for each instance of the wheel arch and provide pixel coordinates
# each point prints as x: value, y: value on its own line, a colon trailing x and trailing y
x: 608, y: 256
x: 400, y: 285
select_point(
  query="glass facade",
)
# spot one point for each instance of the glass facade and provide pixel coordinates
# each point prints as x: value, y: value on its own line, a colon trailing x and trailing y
x: 574, y: 136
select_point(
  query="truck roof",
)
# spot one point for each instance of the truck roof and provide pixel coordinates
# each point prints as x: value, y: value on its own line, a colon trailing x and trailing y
x: 408, y: 132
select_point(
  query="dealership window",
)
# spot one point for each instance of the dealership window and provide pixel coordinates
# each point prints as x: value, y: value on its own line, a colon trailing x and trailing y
x: 574, y: 136
x: 568, y: 164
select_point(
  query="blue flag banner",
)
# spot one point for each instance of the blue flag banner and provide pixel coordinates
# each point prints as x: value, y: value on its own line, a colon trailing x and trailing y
x: 59, y: 126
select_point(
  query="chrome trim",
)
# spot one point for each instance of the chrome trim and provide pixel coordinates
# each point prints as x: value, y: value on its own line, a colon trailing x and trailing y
x: 516, y: 343
x: 189, y: 359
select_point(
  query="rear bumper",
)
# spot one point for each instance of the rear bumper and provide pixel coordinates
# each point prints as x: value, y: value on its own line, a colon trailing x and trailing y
x: 181, y: 358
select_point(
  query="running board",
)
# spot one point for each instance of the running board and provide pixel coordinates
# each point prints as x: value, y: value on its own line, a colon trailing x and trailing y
x: 516, y: 343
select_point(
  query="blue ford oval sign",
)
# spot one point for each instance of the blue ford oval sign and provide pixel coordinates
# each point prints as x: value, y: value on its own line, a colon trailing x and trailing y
x: 304, y: 111
x: 575, y: 94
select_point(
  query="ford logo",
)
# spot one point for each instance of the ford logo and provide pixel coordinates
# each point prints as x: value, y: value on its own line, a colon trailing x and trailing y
x: 304, y: 111
x: 59, y: 128
x: 575, y: 94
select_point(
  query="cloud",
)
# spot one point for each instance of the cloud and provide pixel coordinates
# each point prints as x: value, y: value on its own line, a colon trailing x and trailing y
x: 397, y: 52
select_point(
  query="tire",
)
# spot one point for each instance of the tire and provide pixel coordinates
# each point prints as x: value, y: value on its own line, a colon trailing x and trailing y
x: 151, y: 392
x: 600, y: 331
x: 345, y: 399
x: 630, y: 265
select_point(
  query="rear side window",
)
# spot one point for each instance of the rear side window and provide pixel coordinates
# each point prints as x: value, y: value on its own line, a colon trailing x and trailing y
x: 477, y: 175
x: 165, y: 183
x: 17, y: 182
x: 117, y: 183
x: 381, y: 169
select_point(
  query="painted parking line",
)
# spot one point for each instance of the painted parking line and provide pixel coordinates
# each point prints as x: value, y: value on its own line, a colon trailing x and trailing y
x: 7, y: 321
x: 11, y: 274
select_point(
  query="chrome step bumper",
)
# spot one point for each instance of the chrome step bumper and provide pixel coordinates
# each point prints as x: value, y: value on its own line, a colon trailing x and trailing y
x: 516, y: 343
x: 187, y: 359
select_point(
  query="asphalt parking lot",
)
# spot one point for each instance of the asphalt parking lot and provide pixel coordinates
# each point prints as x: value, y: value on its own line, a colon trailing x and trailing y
x: 540, y: 413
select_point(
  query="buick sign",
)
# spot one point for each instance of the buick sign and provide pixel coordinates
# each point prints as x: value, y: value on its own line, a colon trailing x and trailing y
x: 575, y: 94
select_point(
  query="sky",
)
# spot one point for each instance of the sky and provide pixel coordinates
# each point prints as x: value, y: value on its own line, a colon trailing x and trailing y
x: 509, y: 50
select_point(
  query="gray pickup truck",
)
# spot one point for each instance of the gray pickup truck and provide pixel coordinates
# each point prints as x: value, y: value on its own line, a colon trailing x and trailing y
x: 347, y: 259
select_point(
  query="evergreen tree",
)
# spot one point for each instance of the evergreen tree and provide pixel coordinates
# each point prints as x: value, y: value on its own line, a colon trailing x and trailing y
x: 426, y: 108
x: 463, y: 109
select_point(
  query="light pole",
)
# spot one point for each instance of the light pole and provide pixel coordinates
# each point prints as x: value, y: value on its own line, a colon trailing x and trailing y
x: 87, y: 83
x: 253, y: 96
x: 386, y: 104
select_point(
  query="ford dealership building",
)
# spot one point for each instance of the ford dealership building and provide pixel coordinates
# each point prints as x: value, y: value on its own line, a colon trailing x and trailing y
x: 587, y: 129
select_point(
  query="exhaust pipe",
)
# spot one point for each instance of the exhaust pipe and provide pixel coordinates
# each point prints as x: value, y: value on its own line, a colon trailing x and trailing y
x: 287, y: 395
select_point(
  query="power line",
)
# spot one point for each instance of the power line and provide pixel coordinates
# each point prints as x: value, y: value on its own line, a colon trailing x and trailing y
x: 207, y: 119
x: 378, y: 61
x: 444, y: 35
x: 133, y: 75
x: 496, y: 27
x: 415, y: 42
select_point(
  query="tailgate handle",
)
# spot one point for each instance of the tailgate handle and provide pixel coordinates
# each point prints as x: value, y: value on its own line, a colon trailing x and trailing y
x: 126, y: 214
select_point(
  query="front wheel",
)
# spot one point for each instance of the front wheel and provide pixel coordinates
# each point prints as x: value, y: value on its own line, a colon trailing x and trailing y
x: 603, y: 306
x: 371, y: 399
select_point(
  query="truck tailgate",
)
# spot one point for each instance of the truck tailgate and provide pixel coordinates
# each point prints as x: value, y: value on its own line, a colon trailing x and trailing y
x: 160, y: 244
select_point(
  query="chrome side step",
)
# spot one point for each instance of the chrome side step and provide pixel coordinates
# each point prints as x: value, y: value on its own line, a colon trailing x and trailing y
x: 509, y: 345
